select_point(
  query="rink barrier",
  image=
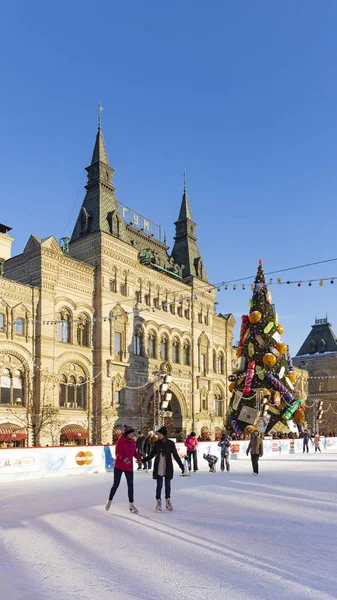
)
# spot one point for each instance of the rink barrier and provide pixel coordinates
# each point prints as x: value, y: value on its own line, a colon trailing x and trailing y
x: 60, y: 461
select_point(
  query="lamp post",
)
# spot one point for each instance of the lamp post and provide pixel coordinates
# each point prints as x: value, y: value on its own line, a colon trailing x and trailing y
x: 162, y: 398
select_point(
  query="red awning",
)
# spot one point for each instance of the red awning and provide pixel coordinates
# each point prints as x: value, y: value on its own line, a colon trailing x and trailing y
x: 74, y: 431
x: 11, y: 433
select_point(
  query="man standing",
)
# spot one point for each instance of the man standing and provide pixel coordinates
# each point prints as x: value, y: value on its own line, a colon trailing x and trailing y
x: 255, y: 447
x: 306, y: 438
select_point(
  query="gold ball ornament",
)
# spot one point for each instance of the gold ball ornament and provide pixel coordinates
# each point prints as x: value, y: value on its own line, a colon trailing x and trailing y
x: 280, y: 329
x: 292, y: 376
x: 269, y: 359
x: 299, y: 415
x: 232, y: 386
x: 282, y: 348
x: 255, y: 316
x: 249, y: 429
x: 266, y: 393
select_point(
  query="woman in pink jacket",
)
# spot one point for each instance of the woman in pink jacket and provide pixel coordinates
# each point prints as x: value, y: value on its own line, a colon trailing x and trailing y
x: 191, y: 444
x: 125, y: 451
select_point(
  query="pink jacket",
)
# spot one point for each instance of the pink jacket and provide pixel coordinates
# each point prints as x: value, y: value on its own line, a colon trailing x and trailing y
x: 191, y: 443
x: 317, y: 441
x: 126, y: 448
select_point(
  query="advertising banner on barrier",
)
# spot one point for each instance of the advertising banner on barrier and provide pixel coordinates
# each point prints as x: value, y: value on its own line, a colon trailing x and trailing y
x: 84, y: 456
x: 19, y: 462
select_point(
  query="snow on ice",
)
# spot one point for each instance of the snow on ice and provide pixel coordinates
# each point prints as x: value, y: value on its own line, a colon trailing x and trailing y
x: 231, y: 536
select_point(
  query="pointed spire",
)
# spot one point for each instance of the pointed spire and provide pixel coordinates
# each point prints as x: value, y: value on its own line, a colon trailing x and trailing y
x: 260, y: 278
x: 185, y: 210
x: 99, y: 154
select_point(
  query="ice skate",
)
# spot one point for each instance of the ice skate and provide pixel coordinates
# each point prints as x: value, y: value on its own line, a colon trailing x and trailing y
x: 132, y: 508
x: 168, y: 504
x: 108, y: 504
x: 158, y: 506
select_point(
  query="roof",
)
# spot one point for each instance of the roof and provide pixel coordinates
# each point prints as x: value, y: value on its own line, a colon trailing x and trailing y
x: 321, y: 339
x: 4, y: 228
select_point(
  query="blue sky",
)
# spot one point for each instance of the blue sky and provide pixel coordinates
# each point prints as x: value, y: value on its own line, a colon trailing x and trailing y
x: 241, y: 94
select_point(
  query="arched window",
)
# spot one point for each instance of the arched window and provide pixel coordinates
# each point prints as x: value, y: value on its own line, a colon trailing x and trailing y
x: 151, y: 345
x: 187, y: 353
x: 214, y: 361
x: 12, y: 386
x: 138, y: 342
x: 63, y: 383
x: 63, y: 327
x: 164, y: 348
x: 2, y: 323
x: 218, y: 402
x: 118, y: 323
x: 204, y: 400
x: 73, y: 388
x: 83, y: 331
x: 221, y: 363
x: 175, y: 350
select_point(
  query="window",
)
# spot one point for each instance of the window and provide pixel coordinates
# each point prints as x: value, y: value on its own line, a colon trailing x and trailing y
x: 173, y: 308
x: 187, y: 354
x: 218, y: 403
x: 156, y: 302
x: 221, y: 364
x: 187, y: 313
x: 117, y: 397
x: 147, y: 299
x: 180, y: 311
x: 112, y: 285
x: 137, y: 342
x: 63, y: 327
x: 115, y: 226
x: 214, y: 361
x: 175, y: 350
x: 118, y: 346
x: 164, y: 305
x: 204, y: 401
x: 200, y: 317
x: 203, y: 364
x: 73, y: 388
x: 218, y: 408
x: 164, y: 348
x: 12, y: 387
x: 138, y: 296
x: 321, y: 386
x: 206, y: 319
x: 151, y: 345
x: 2, y: 322
x: 19, y: 327
x: 83, y: 331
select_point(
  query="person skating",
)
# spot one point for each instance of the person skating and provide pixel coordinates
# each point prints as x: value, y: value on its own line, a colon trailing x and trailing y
x: 317, y: 442
x: 140, y: 443
x: 162, y: 452
x: 306, y: 438
x: 125, y: 452
x: 255, y: 447
x: 148, y: 447
x: 212, y: 460
x: 224, y: 445
x: 191, y: 444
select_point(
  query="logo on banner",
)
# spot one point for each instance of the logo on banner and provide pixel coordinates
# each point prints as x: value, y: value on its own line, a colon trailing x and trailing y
x: 84, y: 458
x: 16, y: 462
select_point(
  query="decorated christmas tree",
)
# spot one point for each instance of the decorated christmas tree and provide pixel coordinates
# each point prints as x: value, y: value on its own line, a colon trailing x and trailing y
x: 264, y: 395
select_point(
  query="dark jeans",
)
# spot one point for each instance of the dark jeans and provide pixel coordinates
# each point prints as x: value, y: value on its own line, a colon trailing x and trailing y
x: 195, y: 459
x: 255, y: 462
x: 160, y: 486
x: 305, y: 445
x: 317, y: 448
x: 224, y: 459
x: 117, y: 479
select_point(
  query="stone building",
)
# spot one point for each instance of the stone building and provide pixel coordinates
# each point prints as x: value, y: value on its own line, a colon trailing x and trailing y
x: 88, y: 326
x: 318, y: 355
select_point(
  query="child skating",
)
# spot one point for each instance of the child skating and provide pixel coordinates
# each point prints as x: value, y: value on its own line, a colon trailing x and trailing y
x: 224, y: 445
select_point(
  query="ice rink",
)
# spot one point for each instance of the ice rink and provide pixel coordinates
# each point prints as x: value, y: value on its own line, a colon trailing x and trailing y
x: 231, y: 536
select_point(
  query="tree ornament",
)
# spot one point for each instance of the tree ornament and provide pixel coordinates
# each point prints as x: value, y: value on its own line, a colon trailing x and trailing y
x: 292, y: 376
x: 277, y: 399
x: 268, y: 327
x: 248, y: 430
x: 280, y: 329
x: 251, y: 349
x: 269, y: 359
x: 260, y: 372
x: 260, y: 340
x: 282, y: 348
x: 232, y: 386
x: 281, y: 372
x: 255, y: 316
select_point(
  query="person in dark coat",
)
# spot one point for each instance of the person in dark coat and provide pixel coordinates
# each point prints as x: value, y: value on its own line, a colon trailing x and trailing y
x: 306, y: 438
x: 148, y: 447
x: 255, y: 447
x: 224, y: 445
x: 140, y: 443
x: 162, y: 452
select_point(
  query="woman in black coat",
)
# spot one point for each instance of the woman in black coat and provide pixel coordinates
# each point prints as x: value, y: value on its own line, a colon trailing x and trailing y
x: 162, y: 452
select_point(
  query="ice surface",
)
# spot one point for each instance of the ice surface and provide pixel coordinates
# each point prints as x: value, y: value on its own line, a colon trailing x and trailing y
x: 231, y: 536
